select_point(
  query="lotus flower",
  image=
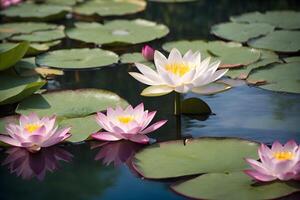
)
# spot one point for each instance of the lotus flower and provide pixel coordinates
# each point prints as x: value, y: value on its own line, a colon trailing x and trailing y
x: 129, y: 124
x: 7, y: 3
x: 279, y: 162
x: 29, y: 165
x: 177, y: 73
x: 148, y: 52
x: 34, y: 133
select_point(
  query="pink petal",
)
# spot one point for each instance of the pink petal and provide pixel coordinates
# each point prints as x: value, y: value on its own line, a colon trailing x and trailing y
x: 264, y: 151
x: 106, y: 136
x: 103, y: 121
x: 36, y: 139
x: 287, y: 176
x: 257, y: 166
x: 259, y: 176
x: 149, y: 119
x: 154, y: 126
x: 276, y: 147
x: 9, y: 140
x: 143, y: 139
x: 291, y: 146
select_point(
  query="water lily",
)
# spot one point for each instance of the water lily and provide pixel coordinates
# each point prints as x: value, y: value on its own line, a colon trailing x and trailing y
x: 148, y: 52
x: 29, y: 165
x: 279, y: 162
x: 177, y: 73
x: 33, y: 133
x: 129, y: 124
x: 7, y: 3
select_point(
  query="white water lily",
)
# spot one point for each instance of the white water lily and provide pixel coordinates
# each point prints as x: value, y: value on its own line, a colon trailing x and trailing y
x: 177, y: 73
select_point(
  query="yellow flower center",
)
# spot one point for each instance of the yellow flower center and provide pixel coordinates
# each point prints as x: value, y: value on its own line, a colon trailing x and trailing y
x: 32, y: 127
x: 125, y: 119
x: 178, y: 69
x: 284, y: 155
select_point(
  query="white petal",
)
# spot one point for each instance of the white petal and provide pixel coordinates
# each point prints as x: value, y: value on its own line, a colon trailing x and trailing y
x: 143, y: 79
x: 160, y: 61
x: 175, y: 56
x: 158, y: 90
x: 184, y: 88
x: 148, y: 72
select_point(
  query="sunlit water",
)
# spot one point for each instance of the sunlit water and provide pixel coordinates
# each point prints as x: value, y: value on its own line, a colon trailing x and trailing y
x: 245, y: 112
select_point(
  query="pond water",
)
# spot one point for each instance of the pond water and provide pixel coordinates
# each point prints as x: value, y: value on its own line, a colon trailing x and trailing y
x: 245, y: 112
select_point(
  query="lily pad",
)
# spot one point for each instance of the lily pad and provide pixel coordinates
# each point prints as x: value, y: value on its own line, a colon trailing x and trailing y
x: 278, y: 77
x: 136, y: 57
x: 281, y: 41
x: 82, y: 127
x: 70, y: 103
x: 40, y: 36
x: 64, y: 2
x: 233, y: 186
x: 212, y: 88
x: 195, y: 156
x: 195, y: 106
x: 280, y: 19
x: 118, y: 32
x: 31, y: 11
x: 110, y: 8
x: 77, y: 58
x: 9, y: 29
x: 292, y: 59
x: 14, y: 88
x: 10, y: 54
x: 37, y: 48
x: 241, y: 32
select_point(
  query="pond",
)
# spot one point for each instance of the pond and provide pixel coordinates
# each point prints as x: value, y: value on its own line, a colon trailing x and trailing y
x: 81, y: 171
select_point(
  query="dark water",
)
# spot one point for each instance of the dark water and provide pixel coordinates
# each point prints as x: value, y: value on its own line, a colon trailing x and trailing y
x: 245, y: 112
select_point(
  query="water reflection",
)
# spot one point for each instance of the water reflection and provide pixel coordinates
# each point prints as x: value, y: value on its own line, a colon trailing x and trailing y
x: 29, y: 165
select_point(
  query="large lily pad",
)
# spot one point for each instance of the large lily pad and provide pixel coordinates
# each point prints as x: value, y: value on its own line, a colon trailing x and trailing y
x: 233, y: 186
x: 110, y: 8
x: 77, y: 58
x: 281, y: 41
x: 231, y: 54
x: 212, y: 88
x: 9, y: 29
x: 196, y: 156
x: 70, y: 103
x: 118, y: 31
x: 278, y: 77
x: 136, y: 57
x: 14, y: 88
x: 40, y: 36
x: 64, y: 2
x: 241, y: 32
x: 33, y: 11
x: 292, y: 59
x: 37, y: 48
x: 280, y: 19
x: 10, y: 54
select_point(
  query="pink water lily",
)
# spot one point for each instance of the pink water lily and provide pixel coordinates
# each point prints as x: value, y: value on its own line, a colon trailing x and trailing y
x: 148, y: 52
x: 33, y: 133
x: 279, y: 162
x: 129, y: 124
x: 7, y: 3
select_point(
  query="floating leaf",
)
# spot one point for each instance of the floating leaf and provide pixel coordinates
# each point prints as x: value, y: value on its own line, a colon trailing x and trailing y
x: 280, y: 19
x: 10, y: 54
x: 110, y: 8
x: 175, y: 159
x: 64, y: 2
x: 195, y: 106
x: 70, y: 103
x: 233, y: 186
x: 14, y: 88
x: 36, y: 48
x: 278, y: 77
x: 118, y: 31
x: 212, y: 88
x: 9, y: 29
x: 33, y: 11
x: 292, y: 59
x: 240, y: 32
x: 77, y: 58
x: 281, y: 41
x: 40, y: 36
x: 132, y: 58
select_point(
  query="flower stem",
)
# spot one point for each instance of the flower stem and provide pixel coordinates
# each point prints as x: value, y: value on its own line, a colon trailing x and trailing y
x: 177, y: 104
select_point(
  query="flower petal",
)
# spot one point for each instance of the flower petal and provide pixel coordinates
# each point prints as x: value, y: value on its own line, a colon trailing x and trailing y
x: 106, y: 136
x: 259, y: 176
x: 143, y: 139
x: 148, y: 72
x: 143, y: 79
x: 154, y: 126
x: 157, y: 90
x: 9, y: 140
x: 175, y: 56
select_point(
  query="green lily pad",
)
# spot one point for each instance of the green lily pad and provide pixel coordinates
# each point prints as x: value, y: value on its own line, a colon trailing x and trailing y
x: 64, y: 2
x: 26, y: 67
x: 281, y: 41
x: 31, y: 11
x: 233, y: 186
x: 10, y: 54
x: 81, y: 128
x: 118, y: 32
x: 280, y: 19
x: 278, y: 77
x: 40, y: 36
x: 14, y: 88
x: 77, y: 58
x: 136, y: 57
x: 195, y: 106
x: 37, y: 48
x: 241, y: 32
x: 231, y: 54
x: 212, y: 88
x: 292, y: 59
x: 196, y: 156
x: 70, y: 103
x: 110, y: 8
x: 9, y: 29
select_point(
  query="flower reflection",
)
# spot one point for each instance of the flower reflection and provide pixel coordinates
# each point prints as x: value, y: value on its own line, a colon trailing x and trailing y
x: 116, y: 152
x: 29, y: 165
